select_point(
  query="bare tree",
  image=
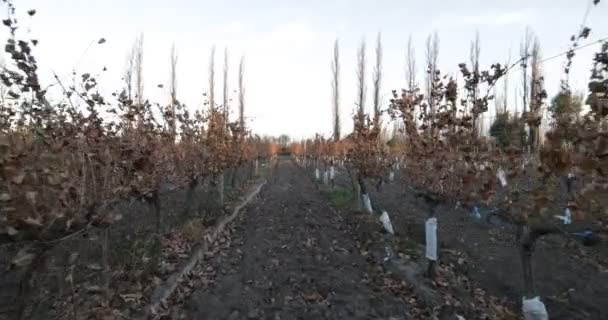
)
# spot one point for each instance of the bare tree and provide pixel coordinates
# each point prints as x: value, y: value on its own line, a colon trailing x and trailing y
x: 410, y: 69
x: 242, y: 93
x: 474, y: 56
x: 505, y: 102
x: 432, y: 53
x: 128, y: 76
x: 212, y: 78
x: 225, y: 86
x: 3, y: 88
x: 173, y: 87
x: 536, y: 91
x: 335, y: 83
x: 377, y: 78
x: 524, y: 52
x: 139, y: 68
x: 361, y: 80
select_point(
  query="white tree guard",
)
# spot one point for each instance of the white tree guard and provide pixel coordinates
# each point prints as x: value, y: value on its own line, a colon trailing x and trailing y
x: 332, y: 173
x: 566, y: 218
x: 391, y: 176
x: 386, y: 223
x: 431, y: 238
x: 317, y: 174
x: 500, y: 174
x: 367, y: 203
x: 534, y: 309
x: 326, y: 177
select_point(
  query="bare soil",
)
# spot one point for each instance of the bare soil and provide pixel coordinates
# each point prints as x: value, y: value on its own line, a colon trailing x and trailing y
x: 293, y: 257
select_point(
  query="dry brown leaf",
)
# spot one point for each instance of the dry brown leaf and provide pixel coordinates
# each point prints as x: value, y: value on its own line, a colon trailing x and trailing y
x: 23, y: 258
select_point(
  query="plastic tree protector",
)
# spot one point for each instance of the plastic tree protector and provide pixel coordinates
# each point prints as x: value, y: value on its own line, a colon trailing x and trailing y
x: 326, y: 177
x: 386, y: 223
x: 534, y: 309
x: 367, y: 203
x: 391, y: 176
x: 332, y: 173
x: 476, y: 213
x: 502, y: 177
x: 431, y: 238
x: 317, y: 174
x: 566, y: 218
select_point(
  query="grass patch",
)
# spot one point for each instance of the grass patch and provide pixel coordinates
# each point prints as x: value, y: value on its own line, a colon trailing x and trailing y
x: 339, y: 197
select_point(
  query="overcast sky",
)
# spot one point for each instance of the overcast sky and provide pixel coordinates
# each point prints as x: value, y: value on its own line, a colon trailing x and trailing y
x: 288, y: 45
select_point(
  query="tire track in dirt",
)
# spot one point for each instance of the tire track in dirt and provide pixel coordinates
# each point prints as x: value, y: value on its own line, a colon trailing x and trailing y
x: 291, y: 257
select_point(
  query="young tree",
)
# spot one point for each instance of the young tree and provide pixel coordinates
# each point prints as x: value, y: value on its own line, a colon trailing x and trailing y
x: 216, y: 133
x: 335, y: 84
x: 366, y: 156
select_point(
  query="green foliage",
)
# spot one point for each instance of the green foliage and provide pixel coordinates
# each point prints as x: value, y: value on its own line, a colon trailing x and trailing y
x: 339, y: 197
x: 508, y: 130
x: 565, y: 103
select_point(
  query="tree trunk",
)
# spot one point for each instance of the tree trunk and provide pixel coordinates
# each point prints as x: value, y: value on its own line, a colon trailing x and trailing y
x: 357, y: 197
x: 361, y: 184
x: 192, y: 185
x: 233, y: 177
x: 358, y: 204
x: 220, y: 188
x: 28, y: 280
x: 155, y: 202
x: 431, y: 271
x: 155, y: 250
x: 105, y: 261
x: 526, y: 248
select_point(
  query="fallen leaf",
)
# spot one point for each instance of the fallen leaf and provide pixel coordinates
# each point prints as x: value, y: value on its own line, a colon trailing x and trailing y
x: 32, y: 222
x: 93, y: 289
x: 31, y: 196
x: 94, y: 266
x: 131, y: 297
x: 73, y: 258
x: 18, y: 179
x: 11, y: 231
x: 23, y: 258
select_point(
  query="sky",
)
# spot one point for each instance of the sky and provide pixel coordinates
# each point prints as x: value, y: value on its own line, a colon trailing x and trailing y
x: 287, y: 45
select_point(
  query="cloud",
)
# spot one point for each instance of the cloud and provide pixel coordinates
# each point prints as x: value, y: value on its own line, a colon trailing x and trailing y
x: 292, y: 33
x: 233, y: 27
x: 485, y: 19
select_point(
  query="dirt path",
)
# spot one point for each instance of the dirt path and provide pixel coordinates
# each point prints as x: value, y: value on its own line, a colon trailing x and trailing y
x: 291, y: 257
